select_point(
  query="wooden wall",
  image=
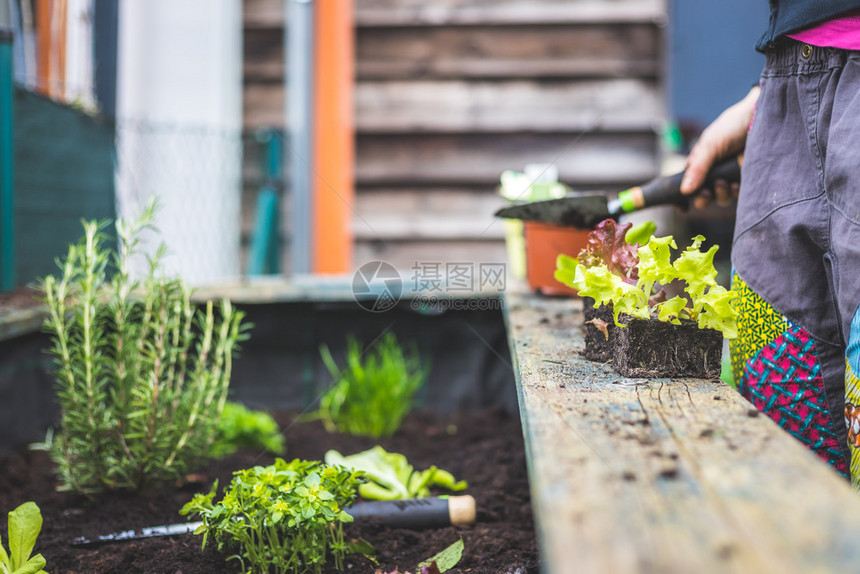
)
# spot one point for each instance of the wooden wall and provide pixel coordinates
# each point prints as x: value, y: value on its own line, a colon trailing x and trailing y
x: 450, y: 93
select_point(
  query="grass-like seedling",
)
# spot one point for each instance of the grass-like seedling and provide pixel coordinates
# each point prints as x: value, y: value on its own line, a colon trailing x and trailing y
x: 286, y: 517
x: 142, y: 373
x: 374, y: 391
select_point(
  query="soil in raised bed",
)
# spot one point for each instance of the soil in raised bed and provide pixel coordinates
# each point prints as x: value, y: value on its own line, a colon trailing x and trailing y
x: 483, y: 447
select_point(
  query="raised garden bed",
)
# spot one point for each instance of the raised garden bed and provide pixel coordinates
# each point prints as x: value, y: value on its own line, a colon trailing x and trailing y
x: 466, y: 423
x: 483, y: 447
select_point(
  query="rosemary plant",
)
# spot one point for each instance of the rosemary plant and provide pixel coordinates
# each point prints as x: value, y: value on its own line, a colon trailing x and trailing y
x: 142, y: 373
x: 374, y: 392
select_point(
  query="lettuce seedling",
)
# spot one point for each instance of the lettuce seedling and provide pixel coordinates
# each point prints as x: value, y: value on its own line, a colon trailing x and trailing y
x: 25, y: 523
x: 606, y: 245
x: 391, y: 477
x: 630, y: 287
x: 286, y: 517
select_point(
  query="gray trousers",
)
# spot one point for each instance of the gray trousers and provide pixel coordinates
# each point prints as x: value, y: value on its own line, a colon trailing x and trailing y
x: 797, y: 244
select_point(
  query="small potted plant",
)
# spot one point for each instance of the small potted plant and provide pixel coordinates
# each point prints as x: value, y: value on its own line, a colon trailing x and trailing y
x: 532, y: 246
x: 649, y: 334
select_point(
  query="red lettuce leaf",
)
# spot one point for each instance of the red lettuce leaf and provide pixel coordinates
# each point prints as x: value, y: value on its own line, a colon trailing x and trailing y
x: 605, y: 245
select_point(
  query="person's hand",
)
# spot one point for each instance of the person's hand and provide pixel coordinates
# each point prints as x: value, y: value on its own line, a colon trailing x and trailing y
x: 726, y: 136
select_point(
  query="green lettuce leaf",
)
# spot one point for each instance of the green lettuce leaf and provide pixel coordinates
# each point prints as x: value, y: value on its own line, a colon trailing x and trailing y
x: 391, y: 477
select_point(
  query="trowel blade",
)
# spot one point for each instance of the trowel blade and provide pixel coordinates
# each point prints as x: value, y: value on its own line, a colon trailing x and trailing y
x: 583, y: 210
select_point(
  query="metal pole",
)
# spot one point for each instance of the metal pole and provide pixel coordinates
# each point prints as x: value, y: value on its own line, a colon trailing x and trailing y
x: 298, y: 160
x: 7, y: 195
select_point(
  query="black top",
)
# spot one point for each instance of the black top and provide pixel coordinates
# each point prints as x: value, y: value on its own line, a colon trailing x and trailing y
x: 788, y: 15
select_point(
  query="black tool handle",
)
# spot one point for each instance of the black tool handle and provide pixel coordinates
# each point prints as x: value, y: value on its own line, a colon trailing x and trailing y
x: 417, y: 513
x: 667, y: 190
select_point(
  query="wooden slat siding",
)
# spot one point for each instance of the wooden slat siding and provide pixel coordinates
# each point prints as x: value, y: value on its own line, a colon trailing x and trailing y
x: 664, y: 476
x: 592, y: 159
x: 481, y: 107
x: 451, y: 93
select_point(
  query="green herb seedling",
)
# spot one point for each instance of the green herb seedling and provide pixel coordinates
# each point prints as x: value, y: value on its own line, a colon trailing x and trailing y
x: 374, y: 391
x: 286, y: 517
x: 391, y: 477
x: 25, y: 523
x: 240, y: 426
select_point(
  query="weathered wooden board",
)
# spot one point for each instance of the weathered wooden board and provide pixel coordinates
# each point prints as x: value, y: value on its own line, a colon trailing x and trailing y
x: 263, y: 13
x: 396, y: 13
x: 508, y: 51
x: 582, y: 159
x: 413, y: 214
x: 595, y: 50
x: 664, y: 476
x: 480, y: 107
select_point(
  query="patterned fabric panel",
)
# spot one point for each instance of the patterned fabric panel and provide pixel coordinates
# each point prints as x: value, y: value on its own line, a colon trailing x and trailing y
x: 852, y: 397
x: 758, y: 325
x: 783, y: 380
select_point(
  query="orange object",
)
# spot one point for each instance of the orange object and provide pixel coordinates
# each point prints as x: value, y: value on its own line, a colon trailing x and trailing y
x: 51, y: 47
x: 543, y: 244
x: 333, y: 185
x: 43, y: 51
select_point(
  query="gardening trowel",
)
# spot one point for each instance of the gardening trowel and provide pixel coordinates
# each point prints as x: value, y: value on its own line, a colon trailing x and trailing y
x: 417, y: 513
x: 587, y: 209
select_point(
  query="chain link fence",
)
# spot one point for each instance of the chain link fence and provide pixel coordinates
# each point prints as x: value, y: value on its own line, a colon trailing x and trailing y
x: 196, y: 174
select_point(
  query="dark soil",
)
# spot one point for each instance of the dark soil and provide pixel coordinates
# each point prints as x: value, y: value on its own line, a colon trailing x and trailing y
x: 485, y: 448
x: 658, y: 349
x: 598, y: 347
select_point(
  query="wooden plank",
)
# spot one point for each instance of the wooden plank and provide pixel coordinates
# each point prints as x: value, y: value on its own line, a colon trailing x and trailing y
x: 481, y: 107
x: 664, y: 476
x: 263, y: 13
x: 19, y: 322
x: 591, y: 159
x: 524, y: 43
x: 263, y: 105
x: 415, y: 214
x: 395, y: 13
x: 600, y: 50
x: 263, y: 55
x: 269, y: 13
x: 503, y: 69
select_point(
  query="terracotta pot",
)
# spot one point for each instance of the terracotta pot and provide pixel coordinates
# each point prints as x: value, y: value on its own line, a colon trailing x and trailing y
x: 543, y: 244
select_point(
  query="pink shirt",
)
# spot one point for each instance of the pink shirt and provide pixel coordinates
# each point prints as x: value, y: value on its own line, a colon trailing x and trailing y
x: 842, y: 32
